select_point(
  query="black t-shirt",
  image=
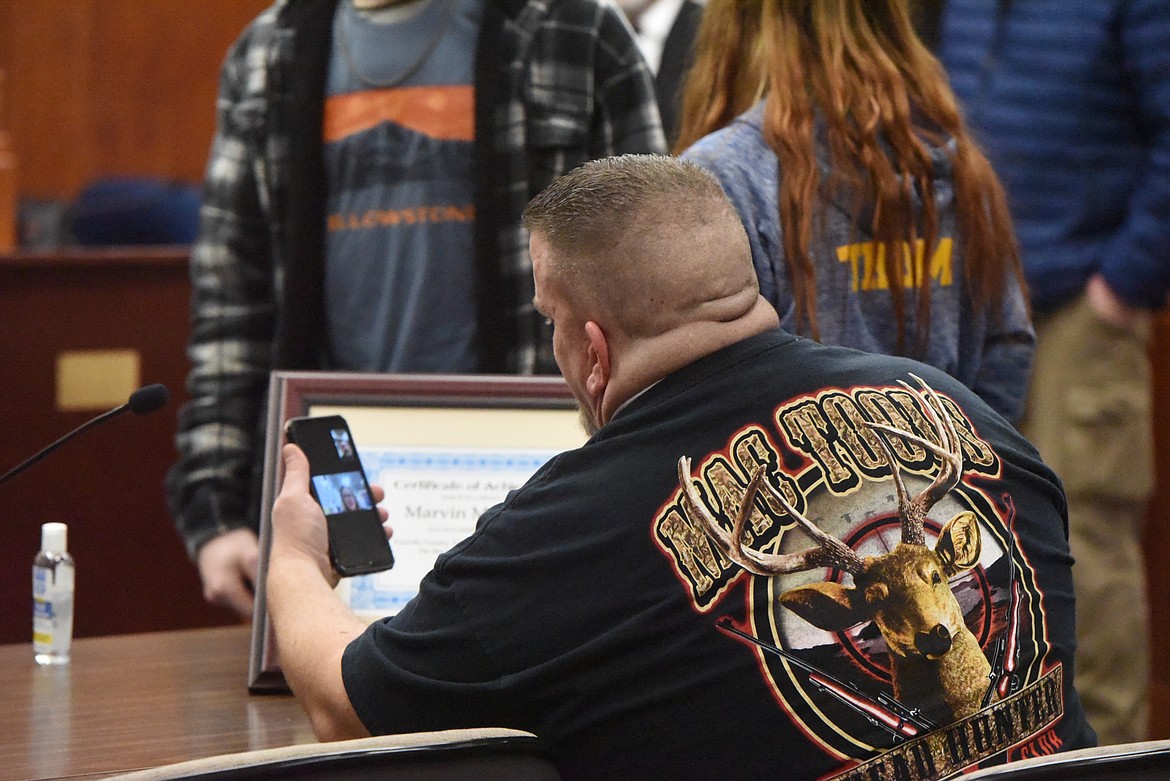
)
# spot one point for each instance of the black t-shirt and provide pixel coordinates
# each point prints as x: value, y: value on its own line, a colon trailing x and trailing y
x: 585, y: 607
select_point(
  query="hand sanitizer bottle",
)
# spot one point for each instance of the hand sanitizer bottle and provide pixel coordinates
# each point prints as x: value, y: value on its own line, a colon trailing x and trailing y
x: 52, y: 597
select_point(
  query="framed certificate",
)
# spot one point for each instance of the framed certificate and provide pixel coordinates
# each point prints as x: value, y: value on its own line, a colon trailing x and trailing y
x: 444, y: 447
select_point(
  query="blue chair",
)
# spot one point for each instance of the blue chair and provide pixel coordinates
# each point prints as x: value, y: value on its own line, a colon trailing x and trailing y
x: 121, y: 211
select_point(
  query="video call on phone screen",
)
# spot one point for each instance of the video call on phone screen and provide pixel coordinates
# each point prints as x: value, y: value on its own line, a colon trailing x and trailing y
x: 342, y: 492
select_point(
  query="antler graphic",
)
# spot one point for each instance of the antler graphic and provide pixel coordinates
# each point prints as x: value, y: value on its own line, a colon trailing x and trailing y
x: 830, y: 551
x: 912, y: 512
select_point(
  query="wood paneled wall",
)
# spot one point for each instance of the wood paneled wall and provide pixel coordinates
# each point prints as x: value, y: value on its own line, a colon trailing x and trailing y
x: 95, y: 88
x: 1157, y: 538
x: 133, y: 574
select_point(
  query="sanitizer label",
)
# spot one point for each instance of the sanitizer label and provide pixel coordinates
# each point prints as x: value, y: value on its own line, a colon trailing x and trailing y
x: 52, y: 609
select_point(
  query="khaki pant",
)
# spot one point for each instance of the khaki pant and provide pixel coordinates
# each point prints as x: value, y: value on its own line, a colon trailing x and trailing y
x: 1088, y: 413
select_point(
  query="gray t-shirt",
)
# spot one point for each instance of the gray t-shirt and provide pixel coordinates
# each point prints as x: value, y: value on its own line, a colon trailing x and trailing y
x: 399, y: 131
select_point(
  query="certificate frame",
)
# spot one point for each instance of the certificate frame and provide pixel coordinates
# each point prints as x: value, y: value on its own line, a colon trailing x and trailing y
x: 297, y: 393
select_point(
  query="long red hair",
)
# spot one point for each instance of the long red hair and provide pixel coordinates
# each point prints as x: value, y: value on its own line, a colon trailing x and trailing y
x: 885, y: 101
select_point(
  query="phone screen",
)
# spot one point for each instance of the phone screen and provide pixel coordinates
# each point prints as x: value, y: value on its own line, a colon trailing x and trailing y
x: 357, y: 541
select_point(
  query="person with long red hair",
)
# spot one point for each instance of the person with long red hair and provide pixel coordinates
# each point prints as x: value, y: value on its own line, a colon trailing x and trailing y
x: 875, y: 220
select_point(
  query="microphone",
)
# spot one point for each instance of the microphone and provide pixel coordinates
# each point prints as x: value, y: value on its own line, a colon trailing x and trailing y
x: 142, y: 401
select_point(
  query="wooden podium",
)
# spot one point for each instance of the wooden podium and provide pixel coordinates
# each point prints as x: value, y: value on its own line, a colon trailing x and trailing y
x: 123, y: 308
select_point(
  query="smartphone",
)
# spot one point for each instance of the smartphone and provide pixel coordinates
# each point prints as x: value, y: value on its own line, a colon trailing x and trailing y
x: 357, y: 541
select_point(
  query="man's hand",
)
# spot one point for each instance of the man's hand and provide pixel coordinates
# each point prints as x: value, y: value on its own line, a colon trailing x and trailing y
x: 298, y: 524
x: 227, y: 565
x: 1108, y: 306
x: 313, y: 626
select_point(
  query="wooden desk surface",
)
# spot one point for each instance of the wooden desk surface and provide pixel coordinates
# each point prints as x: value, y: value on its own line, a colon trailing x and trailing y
x: 131, y: 701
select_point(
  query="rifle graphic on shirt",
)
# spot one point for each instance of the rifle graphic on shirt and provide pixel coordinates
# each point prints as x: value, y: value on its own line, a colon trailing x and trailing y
x: 1005, y: 657
x: 885, y: 712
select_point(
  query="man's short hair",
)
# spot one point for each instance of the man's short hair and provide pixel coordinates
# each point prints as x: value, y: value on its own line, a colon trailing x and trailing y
x: 605, y: 195
x: 618, y: 226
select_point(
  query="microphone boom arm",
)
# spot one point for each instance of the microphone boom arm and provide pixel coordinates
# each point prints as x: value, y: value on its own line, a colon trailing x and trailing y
x: 142, y: 401
x: 11, y: 473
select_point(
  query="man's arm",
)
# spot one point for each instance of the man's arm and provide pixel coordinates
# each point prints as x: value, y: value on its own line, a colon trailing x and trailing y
x: 626, y: 99
x: 227, y: 567
x: 232, y: 314
x: 1009, y: 347
x: 1136, y: 262
x: 312, y: 625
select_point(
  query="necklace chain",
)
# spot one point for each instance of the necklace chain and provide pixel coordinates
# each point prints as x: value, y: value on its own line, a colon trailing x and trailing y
x: 413, y: 68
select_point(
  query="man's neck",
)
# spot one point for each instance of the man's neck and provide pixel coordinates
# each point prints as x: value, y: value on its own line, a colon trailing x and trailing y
x: 635, y: 366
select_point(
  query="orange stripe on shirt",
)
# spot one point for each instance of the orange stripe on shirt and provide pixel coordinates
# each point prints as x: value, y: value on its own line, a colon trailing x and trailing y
x: 446, y: 113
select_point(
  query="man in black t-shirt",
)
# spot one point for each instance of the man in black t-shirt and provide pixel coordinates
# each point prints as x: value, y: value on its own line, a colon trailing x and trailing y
x: 772, y: 559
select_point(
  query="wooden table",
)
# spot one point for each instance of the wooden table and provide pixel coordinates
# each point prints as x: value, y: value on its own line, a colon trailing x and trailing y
x: 132, y: 701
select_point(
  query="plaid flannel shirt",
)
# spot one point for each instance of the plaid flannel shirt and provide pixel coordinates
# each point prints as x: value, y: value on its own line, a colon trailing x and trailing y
x: 558, y: 82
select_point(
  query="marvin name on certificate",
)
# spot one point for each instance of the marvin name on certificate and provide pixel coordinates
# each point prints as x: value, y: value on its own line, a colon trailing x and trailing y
x: 435, y: 494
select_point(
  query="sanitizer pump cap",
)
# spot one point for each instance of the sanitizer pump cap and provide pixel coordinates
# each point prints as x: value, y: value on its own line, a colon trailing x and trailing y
x: 53, y: 537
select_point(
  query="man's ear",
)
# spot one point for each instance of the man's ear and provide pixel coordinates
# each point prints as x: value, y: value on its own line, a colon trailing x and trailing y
x: 598, y: 356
